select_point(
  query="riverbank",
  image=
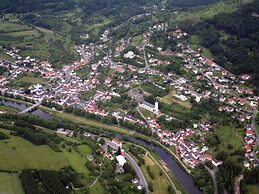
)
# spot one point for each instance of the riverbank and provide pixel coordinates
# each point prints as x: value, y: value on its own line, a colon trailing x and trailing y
x: 176, y: 166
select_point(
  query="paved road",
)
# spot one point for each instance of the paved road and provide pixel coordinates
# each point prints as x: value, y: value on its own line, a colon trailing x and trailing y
x: 237, y: 184
x: 137, y: 169
x: 213, y: 176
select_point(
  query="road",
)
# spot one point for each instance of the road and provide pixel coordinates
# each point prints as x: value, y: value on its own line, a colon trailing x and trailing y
x: 214, y: 179
x: 237, y: 184
x: 137, y: 169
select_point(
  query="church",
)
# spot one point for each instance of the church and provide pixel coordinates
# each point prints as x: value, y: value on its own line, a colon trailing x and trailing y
x: 150, y: 107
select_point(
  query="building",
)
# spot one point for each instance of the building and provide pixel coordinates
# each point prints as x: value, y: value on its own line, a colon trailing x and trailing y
x: 117, y: 142
x: 121, y: 160
x: 150, y: 107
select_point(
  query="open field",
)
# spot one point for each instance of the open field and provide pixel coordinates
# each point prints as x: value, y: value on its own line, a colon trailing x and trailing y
x: 6, y: 57
x: 170, y: 99
x: 159, y: 182
x: 97, y: 189
x: 147, y: 113
x: 18, y: 154
x: 30, y: 79
x: 84, y: 150
x: 87, y: 121
x: 253, y: 189
x: 12, y: 26
x: 76, y: 161
x: 8, y: 109
x: 10, y: 183
x: 227, y: 136
x: 136, y: 40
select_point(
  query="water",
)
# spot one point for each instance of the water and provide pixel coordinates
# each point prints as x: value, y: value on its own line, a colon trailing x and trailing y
x: 184, y: 178
x: 22, y: 107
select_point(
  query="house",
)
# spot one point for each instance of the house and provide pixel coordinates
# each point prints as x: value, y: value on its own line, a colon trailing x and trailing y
x: 117, y: 142
x: 90, y: 158
x: 250, y: 132
x: 135, y: 181
x: 216, y: 162
x: 150, y: 107
x: 248, y: 148
x: 121, y: 160
x: 208, y: 157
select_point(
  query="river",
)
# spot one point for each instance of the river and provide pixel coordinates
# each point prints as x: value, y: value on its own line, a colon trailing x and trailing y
x: 184, y: 178
x: 22, y: 107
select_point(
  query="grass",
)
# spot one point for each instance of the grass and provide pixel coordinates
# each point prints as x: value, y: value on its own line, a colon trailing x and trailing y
x: 170, y: 99
x: 27, y: 80
x: 195, y: 43
x: 136, y: 40
x: 159, y: 182
x: 11, y: 26
x: 18, y: 154
x: 97, y: 189
x: 6, y: 57
x: 84, y: 150
x: 76, y: 161
x: 147, y: 113
x: 253, y: 189
x: 88, y: 122
x: 10, y: 183
x: 227, y: 136
x: 8, y: 109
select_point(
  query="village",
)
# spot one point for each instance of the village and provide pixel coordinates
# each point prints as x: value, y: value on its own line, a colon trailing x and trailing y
x: 64, y: 87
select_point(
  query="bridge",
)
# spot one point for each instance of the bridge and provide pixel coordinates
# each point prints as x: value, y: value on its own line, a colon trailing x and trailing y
x: 31, y: 108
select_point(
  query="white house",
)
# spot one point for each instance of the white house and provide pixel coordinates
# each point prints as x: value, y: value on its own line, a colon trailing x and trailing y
x: 121, y: 160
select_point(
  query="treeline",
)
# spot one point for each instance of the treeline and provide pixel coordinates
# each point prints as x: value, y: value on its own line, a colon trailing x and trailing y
x: 30, y: 133
x: 3, y: 70
x: 190, y: 3
x: 3, y: 136
x: 5, y: 94
x: 47, y: 181
x: 203, y: 179
x: 251, y: 177
x: 232, y: 38
x: 24, y: 6
x: 228, y: 171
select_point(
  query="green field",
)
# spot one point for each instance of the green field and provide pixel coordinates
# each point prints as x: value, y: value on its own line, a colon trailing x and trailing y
x: 253, y: 189
x: 27, y: 80
x: 76, y: 161
x: 136, y: 40
x: 8, y: 109
x: 227, y: 136
x: 159, y: 182
x: 147, y: 113
x: 97, y: 189
x: 12, y: 26
x: 84, y: 150
x: 17, y: 154
x: 10, y: 183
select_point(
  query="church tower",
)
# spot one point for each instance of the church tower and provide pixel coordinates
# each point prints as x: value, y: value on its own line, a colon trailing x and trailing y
x: 156, y: 107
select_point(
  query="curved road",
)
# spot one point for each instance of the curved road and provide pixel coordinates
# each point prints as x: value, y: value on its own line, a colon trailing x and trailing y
x: 137, y: 169
x: 213, y: 176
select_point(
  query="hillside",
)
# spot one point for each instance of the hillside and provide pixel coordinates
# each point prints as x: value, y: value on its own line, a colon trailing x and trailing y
x: 48, y: 29
x: 232, y: 38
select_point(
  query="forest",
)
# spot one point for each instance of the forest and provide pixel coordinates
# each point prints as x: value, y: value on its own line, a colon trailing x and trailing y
x: 47, y: 181
x: 232, y: 38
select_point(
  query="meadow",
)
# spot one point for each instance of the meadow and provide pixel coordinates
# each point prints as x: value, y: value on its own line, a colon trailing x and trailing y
x: 10, y: 183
